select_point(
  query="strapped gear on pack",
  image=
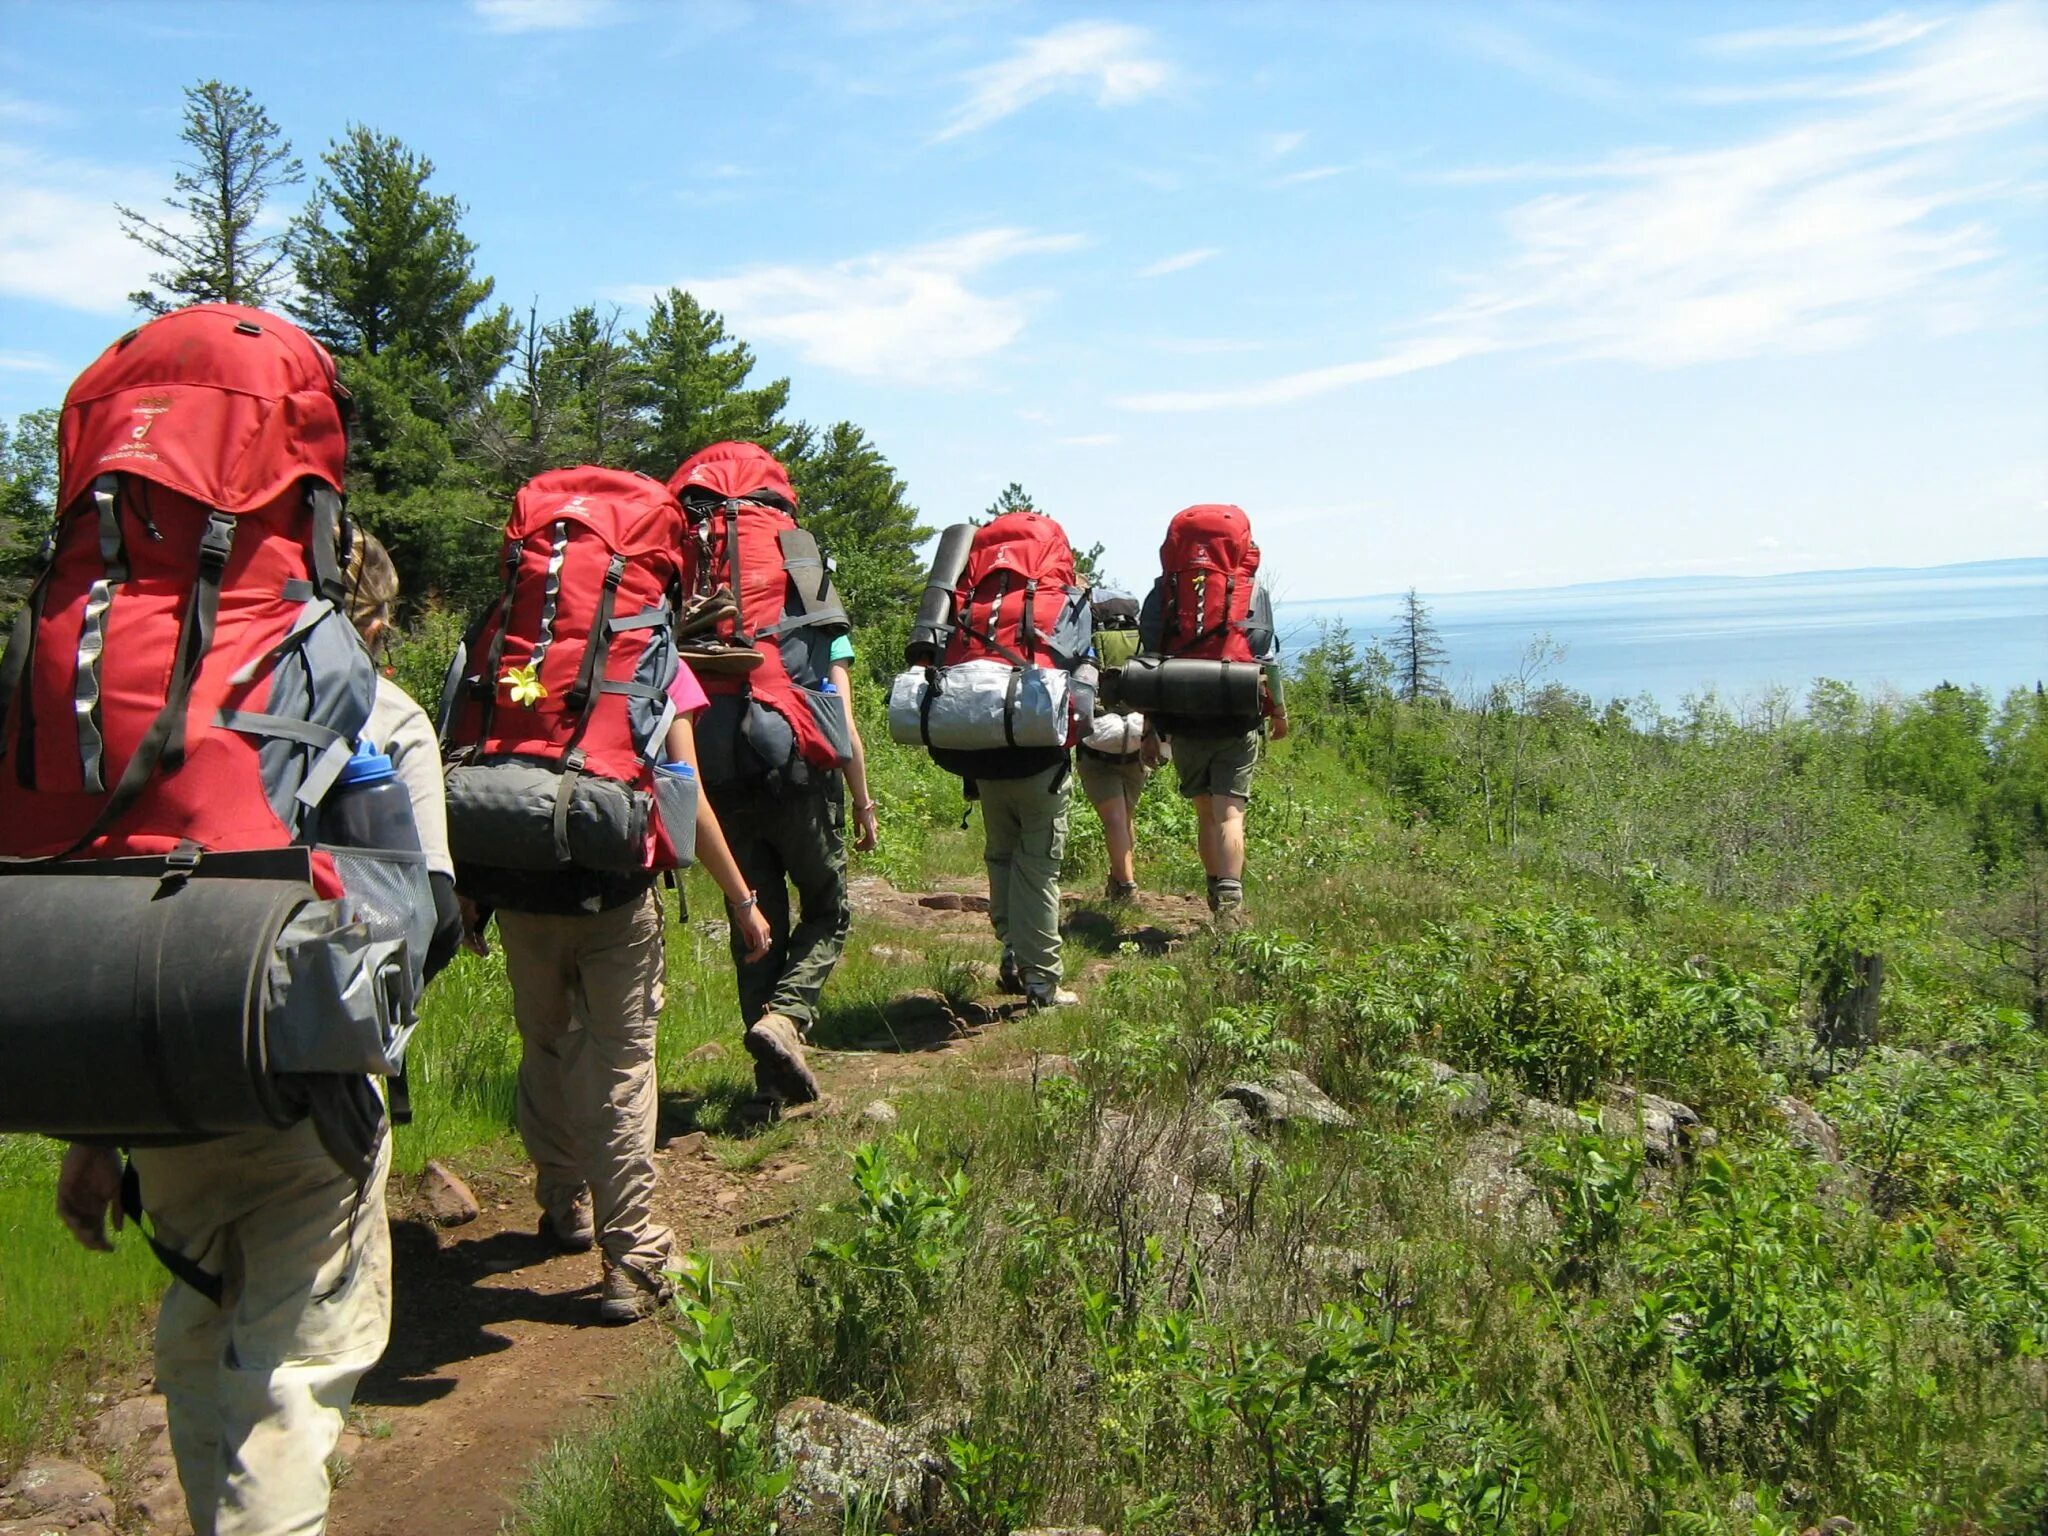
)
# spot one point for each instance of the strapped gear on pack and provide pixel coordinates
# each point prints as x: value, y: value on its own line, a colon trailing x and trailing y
x: 775, y: 721
x: 556, y: 706
x: 1116, y: 642
x: 188, y: 953
x: 1204, y: 670
x: 1015, y: 629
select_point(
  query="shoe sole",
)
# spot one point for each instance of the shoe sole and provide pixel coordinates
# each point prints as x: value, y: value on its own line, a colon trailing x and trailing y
x: 786, y: 1074
x: 617, y: 1314
x: 562, y: 1244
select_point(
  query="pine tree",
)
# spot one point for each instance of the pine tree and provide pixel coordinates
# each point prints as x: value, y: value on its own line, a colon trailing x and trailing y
x: 691, y: 390
x: 856, y: 506
x: 1014, y: 498
x: 28, y: 499
x: 1418, y: 651
x: 238, y: 160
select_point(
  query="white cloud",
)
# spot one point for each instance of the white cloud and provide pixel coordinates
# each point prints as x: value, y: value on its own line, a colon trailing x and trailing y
x: 1864, y: 216
x: 61, y: 243
x: 1280, y: 145
x: 543, y: 15
x: 1102, y: 57
x: 1894, y: 30
x: 26, y: 362
x: 1167, y: 266
x: 908, y: 314
x: 1313, y: 173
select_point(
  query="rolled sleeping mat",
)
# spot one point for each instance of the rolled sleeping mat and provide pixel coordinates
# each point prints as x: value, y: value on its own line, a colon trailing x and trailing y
x: 933, y: 626
x: 980, y: 706
x: 503, y: 814
x: 162, y: 1003
x: 1191, y: 688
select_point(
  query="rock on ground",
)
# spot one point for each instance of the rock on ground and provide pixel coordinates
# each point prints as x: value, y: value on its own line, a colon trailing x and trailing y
x: 836, y: 1456
x: 1464, y: 1095
x: 52, y: 1494
x: 1546, y: 1116
x: 1497, y: 1193
x: 1288, y: 1095
x: 130, y: 1424
x: 1671, y: 1131
x: 879, y: 1114
x: 1060, y: 1530
x: 446, y: 1198
x: 1808, y: 1129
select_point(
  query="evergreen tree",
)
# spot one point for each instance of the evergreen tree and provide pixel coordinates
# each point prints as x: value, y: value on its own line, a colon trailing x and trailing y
x: 588, y: 356
x: 856, y: 506
x: 238, y: 160
x: 1014, y: 498
x: 28, y: 499
x: 1417, y: 651
x: 691, y: 389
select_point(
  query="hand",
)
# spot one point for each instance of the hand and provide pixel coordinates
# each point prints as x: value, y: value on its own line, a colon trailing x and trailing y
x: 1151, y: 751
x: 1280, y: 727
x: 866, y: 829
x: 753, y: 928
x: 88, y: 1187
x: 473, y: 925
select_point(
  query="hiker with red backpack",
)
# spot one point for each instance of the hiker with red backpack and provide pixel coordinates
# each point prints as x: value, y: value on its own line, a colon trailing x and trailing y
x: 572, y: 788
x: 215, y: 908
x: 779, y: 745
x: 1208, y: 678
x: 1000, y: 684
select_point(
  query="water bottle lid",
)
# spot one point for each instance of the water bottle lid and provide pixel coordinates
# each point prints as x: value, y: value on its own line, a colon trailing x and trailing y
x: 680, y: 770
x: 368, y: 766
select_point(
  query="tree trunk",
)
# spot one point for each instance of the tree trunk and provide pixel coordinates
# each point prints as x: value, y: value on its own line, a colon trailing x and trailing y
x: 1848, y: 1006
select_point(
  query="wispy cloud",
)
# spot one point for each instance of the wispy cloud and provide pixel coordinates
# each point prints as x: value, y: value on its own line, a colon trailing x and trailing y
x: 1527, y: 58
x: 1108, y: 59
x: 544, y: 15
x: 60, y: 243
x: 1167, y: 266
x: 1303, y: 177
x: 1278, y: 146
x: 910, y: 314
x: 1809, y: 238
x: 1893, y: 30
x: 26, y: 362
x: 19, y: 109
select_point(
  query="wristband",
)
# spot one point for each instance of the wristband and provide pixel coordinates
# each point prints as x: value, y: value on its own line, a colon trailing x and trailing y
x: 753, y: 900
x: 865, y: 806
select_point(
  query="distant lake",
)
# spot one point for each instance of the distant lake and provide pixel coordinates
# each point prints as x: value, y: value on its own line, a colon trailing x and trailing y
x: 1984, y: 624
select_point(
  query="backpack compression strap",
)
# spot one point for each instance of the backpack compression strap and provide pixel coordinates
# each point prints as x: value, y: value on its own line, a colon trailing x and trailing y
x: 582, y: 697
x: 213, y: 1287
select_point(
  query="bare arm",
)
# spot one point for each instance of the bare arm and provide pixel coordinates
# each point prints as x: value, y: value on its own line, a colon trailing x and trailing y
x: 714, y: 853
x: 865, y: 826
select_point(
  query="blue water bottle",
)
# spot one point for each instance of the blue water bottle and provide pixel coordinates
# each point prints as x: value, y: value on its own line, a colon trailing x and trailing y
x: 369, y: 807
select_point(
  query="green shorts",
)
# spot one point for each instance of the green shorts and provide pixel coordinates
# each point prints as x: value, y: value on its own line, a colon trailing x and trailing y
x: 1103, y: 780
x: 1216, y: 765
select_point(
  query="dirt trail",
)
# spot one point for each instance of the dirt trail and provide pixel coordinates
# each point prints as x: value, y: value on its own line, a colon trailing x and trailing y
x: 495, y: 1351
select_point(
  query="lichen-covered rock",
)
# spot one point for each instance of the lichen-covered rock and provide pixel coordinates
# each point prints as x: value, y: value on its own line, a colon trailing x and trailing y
x: 1492, y: 1186
x: 1808, y: 1129
x: 60, y: 1495
x: 837, y: 1457
x: 1463, y: 1096
x: 130, y: 1424
x: 1288, y: 1096
x: 880, y: 1114
x: 1672, y: 1132
x: 1543, y: 1115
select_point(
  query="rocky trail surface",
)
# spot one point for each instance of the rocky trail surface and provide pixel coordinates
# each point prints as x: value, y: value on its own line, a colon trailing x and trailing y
x: 495, y: 1348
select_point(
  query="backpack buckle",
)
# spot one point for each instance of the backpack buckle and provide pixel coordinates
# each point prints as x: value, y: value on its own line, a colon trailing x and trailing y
x: 217, y: 542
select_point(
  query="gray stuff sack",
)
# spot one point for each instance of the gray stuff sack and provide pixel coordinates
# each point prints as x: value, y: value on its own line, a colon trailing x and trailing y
x: 502, y: 813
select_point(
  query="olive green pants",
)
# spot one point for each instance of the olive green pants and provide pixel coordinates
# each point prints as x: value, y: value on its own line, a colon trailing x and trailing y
x: 797, y: 839
x: 1025, y: 822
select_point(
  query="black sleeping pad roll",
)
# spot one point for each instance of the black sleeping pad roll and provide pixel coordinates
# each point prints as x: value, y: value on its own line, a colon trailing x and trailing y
x: 134, y: 1004
x: 933, y: 626
x: 1192, y: 688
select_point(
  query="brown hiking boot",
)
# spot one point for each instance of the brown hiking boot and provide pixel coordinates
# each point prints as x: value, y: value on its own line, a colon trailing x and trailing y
x: 1122, y: 890
x: 717, y: 657
x: 570, y: 1228
x: 777, y: 1046
x: 703, y: 614
x: 630, y: 1294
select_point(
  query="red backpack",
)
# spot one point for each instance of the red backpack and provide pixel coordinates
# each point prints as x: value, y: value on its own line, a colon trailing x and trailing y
x: 178, y: 702
x: 1018, y: 584
x: 744, y: 536
x: 556, y: 706
x: 181, y: 674
x: 1209, y: 569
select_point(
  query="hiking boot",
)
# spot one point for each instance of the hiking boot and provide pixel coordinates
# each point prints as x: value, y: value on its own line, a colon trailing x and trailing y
x: 719, y: 658
x: 1230, y: 917
x: 630, y: 1294
x: 1123, y: 890
x: 705, y: 613
x: 777, y: 1046
x: 1042, y: 998
x: 569, y: 1228
x: 1009, y: 978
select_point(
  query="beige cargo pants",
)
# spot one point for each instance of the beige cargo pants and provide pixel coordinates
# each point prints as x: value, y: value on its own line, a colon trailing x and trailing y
x: 259, y: 1387
x: 587, y: 996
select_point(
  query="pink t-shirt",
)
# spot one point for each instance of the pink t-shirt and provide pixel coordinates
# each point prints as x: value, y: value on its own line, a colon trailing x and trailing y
x: 686, y: 693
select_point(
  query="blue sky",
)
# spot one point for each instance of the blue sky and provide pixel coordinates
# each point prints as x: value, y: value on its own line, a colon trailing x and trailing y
x: 1457, y: 296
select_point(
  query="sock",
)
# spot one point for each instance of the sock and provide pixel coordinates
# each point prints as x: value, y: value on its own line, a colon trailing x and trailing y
x: 1225, y: 893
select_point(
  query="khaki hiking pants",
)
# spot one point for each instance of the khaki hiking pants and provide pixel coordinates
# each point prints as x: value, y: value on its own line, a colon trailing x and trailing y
x: 1025, y: 822
x: 259, y: 1387
x: 587, y: 996
x: 778, y: 841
